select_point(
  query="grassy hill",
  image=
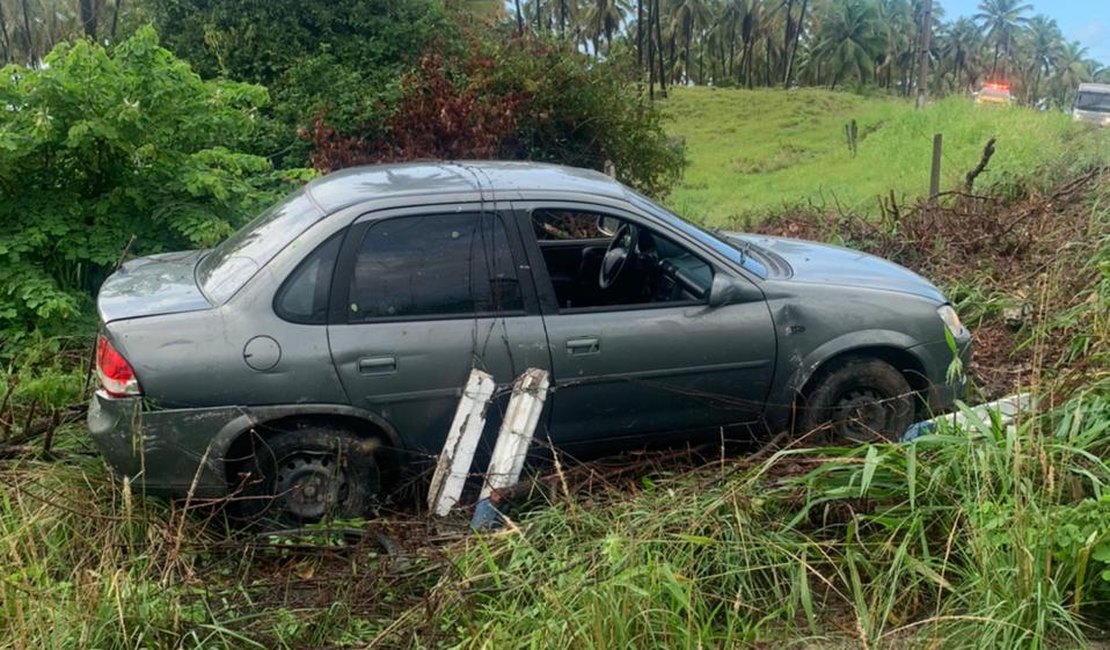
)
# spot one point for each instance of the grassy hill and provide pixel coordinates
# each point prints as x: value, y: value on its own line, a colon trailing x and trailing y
x: 754, y: 151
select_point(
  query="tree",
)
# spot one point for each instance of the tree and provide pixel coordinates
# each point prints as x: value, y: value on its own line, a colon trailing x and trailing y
x: 111, y: 163
x: 960, y: 44
x: 1044, y: 40
x: 851, y: 42
x: 88, y: 10
x: 687, y: 21
x: 1072, y: 68
x: 602, y: 19
x: 1001, y: 20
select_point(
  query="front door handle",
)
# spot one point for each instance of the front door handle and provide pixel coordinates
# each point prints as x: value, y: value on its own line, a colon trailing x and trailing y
x: 584, y: 345
x: 377, y: 365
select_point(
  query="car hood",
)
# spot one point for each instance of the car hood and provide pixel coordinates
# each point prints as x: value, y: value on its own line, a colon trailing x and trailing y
x: 816, y: 263
x: 150, y: 286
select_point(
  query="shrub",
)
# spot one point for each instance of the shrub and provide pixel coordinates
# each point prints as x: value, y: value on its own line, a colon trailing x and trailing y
x: 342, y: 57
x: 97, y: 148
x: 515, y: 99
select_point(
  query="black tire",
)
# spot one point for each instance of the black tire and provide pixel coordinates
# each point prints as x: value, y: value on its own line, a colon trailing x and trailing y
x: 305, y: 476
x: 855, y: 400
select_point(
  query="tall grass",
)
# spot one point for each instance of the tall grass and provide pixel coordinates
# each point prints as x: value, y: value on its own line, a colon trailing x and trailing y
x: 752, y: 152
x: 974, y: 540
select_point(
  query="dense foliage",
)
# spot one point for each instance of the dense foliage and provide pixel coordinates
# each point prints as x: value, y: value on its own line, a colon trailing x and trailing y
x: 99, y: 147
x: 854, y: 43
x: 521, y: 100
x: 343, y: 57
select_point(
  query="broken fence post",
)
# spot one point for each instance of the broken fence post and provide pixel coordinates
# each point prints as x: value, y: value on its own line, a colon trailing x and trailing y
x: 462, y: 440
x: 509, y: 452
x: 1007, y: 409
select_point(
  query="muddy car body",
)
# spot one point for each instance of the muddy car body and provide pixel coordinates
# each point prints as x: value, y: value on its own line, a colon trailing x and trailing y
x: 336, y: 331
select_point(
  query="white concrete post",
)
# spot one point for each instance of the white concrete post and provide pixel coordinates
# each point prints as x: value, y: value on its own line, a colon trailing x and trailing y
x: 511, y: 449
x: 454, y: 462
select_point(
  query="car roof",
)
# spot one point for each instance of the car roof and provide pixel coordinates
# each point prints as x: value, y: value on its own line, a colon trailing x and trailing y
x: 489, y: 178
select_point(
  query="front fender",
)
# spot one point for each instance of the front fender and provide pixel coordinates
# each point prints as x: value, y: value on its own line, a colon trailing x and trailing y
x: 797, y: 366
x: 877, y: 338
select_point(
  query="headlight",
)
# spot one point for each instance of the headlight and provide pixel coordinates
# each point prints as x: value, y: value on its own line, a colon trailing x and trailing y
x: 951, y: 319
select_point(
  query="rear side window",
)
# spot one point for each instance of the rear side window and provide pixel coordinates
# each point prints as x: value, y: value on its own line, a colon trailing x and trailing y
x: 434, y: 266
x: 303, y: 297
x: 229, y: 266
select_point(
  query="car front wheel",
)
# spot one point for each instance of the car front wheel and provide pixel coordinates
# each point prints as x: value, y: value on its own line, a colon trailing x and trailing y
x: 858, y: 400
x: 308, y: 475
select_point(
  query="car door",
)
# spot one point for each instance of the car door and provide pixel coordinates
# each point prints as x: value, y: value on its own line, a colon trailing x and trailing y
x: 422, y: 296
x: 664, y: 365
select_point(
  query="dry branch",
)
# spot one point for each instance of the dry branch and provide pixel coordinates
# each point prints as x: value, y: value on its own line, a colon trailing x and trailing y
x: 988, y: 151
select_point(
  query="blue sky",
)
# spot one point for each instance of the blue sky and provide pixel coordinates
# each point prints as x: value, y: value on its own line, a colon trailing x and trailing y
x: 1086, y: 21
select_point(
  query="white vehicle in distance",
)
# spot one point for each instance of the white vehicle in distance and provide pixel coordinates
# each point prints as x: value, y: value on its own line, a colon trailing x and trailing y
x: 1092, y: 104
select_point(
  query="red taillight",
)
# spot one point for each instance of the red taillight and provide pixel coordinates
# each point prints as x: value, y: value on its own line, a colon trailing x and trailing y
x: 116, y: 375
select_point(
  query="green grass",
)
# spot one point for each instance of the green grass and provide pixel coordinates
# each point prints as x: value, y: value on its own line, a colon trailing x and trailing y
x: 754, y: 152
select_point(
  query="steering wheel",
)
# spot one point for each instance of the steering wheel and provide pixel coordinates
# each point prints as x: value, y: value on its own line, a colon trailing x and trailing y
x: 621, y: 247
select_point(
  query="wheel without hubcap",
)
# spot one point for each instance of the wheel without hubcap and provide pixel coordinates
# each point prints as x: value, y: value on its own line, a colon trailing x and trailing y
x: 858, y: 400
x: 306, y: 476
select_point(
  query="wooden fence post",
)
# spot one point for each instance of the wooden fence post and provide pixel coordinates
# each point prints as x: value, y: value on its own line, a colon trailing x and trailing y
x: 934, y: 172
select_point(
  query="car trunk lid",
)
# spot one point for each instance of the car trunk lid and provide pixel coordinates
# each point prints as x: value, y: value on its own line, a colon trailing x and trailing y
x: 151, y: 286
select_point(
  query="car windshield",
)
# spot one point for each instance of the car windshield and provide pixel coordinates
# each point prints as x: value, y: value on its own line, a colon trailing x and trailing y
x: 227, y: 267
x: 1092, y: 101
x: 714, y: 240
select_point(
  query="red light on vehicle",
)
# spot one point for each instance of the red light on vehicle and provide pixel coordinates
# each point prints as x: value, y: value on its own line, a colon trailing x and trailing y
x: 116, y: 375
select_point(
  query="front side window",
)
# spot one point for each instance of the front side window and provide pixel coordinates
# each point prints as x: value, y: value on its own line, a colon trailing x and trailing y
x: 434, y: 266
x: 633, y: 265
x: 564, y: 225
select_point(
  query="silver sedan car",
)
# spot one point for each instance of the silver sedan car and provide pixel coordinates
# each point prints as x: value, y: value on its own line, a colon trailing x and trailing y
x: 306, y: 361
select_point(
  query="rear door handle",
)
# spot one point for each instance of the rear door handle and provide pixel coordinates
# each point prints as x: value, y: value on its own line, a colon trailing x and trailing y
x: 584, y: 345
x: 377, y: 365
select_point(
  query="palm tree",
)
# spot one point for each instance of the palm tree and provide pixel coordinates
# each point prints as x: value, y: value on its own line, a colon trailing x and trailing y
x: 1072, y: 68
x: 603, y: 18
x: 1000, y: 19
x: 960, y: 46
x: 1043, y: 39
x: 896, y: 25
x: 851, y: 41
x: 691, y: 16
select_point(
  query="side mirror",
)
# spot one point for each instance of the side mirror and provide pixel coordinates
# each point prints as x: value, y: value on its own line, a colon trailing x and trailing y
x: 608, y: 226
x: 727, y: 290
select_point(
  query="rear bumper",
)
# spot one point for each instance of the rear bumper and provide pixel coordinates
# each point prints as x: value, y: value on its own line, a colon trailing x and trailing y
x: 171, y: 453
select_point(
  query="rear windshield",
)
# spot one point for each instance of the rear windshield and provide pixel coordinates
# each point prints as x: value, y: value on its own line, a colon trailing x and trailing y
x: 1091, y: 101
x: 227, y: 267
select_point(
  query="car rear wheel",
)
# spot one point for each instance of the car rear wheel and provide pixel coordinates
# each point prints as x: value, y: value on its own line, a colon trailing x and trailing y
x: 858, y: 400
x: 308, y: 475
